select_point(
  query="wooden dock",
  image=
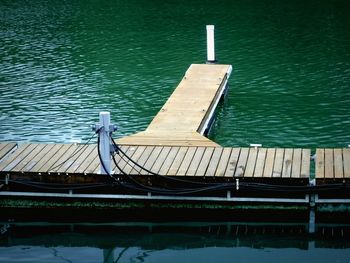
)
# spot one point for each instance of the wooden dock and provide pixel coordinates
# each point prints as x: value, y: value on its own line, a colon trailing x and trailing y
x: 174, y: 147
x: 186, y: 115
x: 212, y: 162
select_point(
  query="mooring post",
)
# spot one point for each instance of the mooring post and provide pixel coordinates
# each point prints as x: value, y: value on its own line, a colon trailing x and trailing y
x: 104, y: 130
x: 105, y: 121
x: 210, y: 44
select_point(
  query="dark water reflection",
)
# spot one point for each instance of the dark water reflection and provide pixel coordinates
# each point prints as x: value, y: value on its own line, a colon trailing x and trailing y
x: 187, y: 242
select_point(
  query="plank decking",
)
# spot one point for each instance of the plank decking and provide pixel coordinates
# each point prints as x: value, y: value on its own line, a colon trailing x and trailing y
x: 332, y: 164
x: 6, y: 148
x: 164, y: 160
x: 183, y: 118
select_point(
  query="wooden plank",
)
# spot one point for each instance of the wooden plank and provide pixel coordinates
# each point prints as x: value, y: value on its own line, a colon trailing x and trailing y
x: 296, y: 164
x: 320, y: 164
x: 338, y: 163
x: 202, y: 167
x: 152, y: 159
x: 305, y: 163
x: 249, y: 171
x: 242, y: 162
x: 56, y: 159
x: 140, y: 157
x: 16, y: 159
x: 287, y: 163
x: 346, y: 159
x: 214, y: 161
x: 161, y: 159
x: 225, y: 156
x: 48, y: 158
x: 260, y: 163
x: 177, y: 161
x: 169, y: 160
x: 42, y: 154
x: 269, y: 162
x: 15, y: 155
x: 232, y: 162
x: 186, y: 161
x: 6, y: 148
x: 125, y: 165
x: 32, y: 155
x: 278, y: 165
x: 81, y: 158
x: 66, y: 159
x: 186, y: 109
x: 88, y: 160
x: 191, y: 171
x: 329, y: 163
x: 142, y: 160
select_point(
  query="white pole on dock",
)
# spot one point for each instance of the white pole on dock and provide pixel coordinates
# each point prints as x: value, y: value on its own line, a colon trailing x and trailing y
x: 105, y: 133
x: 210, y: 44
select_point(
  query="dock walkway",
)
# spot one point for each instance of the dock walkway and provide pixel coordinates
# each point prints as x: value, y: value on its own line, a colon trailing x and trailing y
x: 185, y: 116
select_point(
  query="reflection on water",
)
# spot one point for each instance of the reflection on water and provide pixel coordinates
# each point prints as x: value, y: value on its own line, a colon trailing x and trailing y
x: 187, y: 242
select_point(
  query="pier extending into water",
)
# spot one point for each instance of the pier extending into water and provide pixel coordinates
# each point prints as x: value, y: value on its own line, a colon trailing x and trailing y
x: 173, y: 170
x: 173, y: 153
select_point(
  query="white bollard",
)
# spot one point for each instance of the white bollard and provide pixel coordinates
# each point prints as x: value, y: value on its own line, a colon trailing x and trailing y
x: 105, y: 120
x: 210, y: 44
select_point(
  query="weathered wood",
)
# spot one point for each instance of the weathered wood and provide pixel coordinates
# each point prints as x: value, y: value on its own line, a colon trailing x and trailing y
x: 338, y: 163
x: 202, y: 167
x: 142, y: 160
x: 260, y: 163
x: 242, y: 162
x: 269, y: 162
x: 6, y: 148
x: 169, y: 160
x: 249, y: 171
x: 214, y: 162
x: 30, y: 156
x: 296, y: 164
x: 287, y: 163
x: 186, y: 110
x: 161, y: 159
x: 305, y: 163
x: 232, y: 162
x: 320, y: 164
x: 186, y: 161
x: 15, y: 159
x: 192, y: 169
x: 346, y: 159
x: 177, y: 161
x: 278, y: 164
x: 15, y: 155
x: 225, y: 156
x: 151, y: 160
x: 329, y: 163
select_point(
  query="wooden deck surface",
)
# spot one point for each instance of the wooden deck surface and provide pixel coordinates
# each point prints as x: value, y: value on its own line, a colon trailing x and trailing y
x: 332, y: 164
x: 165, y: 160
x: 6, y: 148
x: 187, y: 111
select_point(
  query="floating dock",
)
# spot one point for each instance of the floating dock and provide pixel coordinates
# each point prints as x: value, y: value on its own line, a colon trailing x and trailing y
x: 248, y: 183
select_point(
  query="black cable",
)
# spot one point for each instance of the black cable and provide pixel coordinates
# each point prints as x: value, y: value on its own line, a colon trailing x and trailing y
x: 156, y: 174
x: 75, y: 152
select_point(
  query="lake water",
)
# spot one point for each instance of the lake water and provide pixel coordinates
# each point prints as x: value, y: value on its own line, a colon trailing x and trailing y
x: 62, y: 62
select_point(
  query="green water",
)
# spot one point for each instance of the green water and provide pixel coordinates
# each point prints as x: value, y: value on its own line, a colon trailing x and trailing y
x: 62, y: 62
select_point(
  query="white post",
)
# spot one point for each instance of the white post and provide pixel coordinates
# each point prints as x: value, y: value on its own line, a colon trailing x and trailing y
x: 105, y: 120
x: 210, y: 44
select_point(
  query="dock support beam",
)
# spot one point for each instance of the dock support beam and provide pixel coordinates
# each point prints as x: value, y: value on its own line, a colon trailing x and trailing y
x: 210, y: 44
